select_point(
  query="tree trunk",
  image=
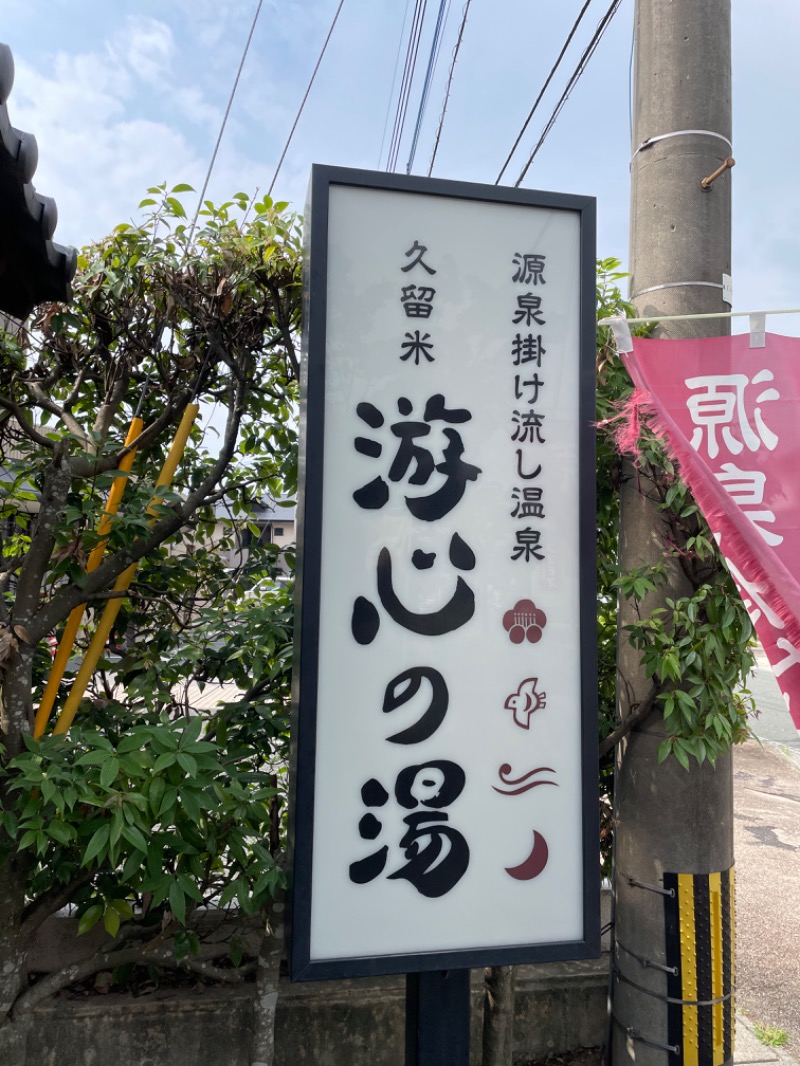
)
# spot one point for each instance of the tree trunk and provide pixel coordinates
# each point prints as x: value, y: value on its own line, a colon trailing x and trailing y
x: 498, y: 1015
x: 265, y: 1003
x: 13, y: 959
x: 16, y: 700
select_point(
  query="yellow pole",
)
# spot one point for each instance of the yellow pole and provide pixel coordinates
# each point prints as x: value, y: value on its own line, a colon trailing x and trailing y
x: 67, y: 641
x: 122, y: 583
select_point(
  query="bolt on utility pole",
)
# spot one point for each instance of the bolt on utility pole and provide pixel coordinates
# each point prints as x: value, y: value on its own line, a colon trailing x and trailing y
x: 670, y: 821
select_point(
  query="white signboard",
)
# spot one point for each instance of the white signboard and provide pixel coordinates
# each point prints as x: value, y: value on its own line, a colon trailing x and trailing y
x: 445, y: 781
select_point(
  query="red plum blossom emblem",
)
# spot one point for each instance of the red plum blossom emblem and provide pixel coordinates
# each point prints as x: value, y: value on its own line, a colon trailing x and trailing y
x: 525, y: 621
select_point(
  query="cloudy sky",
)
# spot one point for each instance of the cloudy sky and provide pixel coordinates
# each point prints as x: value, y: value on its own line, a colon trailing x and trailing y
x: 124, y: 94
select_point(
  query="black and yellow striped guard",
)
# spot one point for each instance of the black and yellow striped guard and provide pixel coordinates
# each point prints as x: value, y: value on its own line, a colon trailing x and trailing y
x: 699, y: 920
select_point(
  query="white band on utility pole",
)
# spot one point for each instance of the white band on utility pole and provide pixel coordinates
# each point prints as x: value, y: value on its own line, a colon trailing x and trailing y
x: 758, y: 329
x: 622, y: 333
x: 676, y: 285
x: 680, y: 133
x: 705, y: 314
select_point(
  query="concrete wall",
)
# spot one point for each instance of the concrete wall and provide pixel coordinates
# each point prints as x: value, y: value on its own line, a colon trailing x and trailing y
x: 559, y: 1007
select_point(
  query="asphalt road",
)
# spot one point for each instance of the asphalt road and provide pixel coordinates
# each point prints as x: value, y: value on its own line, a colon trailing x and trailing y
x: 767, y: 850
x: 773, y: 722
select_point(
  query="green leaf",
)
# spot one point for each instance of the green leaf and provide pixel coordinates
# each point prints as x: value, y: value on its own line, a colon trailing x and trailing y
x: 123, y: 908
x: 187, y: 763
x: 168, y: 802
x: 136, y: 837
x: 132, y: 866
x: 97, y: 845
x: 681, y: 755
x: 90, y: 918
x: 108, y: 772
x: 117, y: 825
x: 191, y: 731
x: 190, y: 803
x: 92, y: 758
x: 664, y: 749
x: 154, y: 793
x: 59, y: 831
x: 189, y: 887
x: 177, y: 902
x: 236, y: 952
x: 111, y: 920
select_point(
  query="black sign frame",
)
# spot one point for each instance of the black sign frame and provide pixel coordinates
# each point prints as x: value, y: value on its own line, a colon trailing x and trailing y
x: 308, y: 580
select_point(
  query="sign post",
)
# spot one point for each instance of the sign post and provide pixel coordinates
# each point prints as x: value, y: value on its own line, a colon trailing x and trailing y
x: 437, y: 1018
x: 444, y: 811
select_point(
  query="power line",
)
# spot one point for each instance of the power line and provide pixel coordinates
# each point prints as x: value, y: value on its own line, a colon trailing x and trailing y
x: 394, y: 80
x: 412, y: 49
x: 303, y: 102
x: 449, y: 83
x: 587, y: 55
x: 224, y: 123
x: 543, y: 89
x: 412, y: 52
x: 433, y: 59
x: 630, y: 81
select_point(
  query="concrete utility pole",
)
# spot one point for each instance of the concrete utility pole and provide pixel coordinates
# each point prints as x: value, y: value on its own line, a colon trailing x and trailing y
x: 671, y: 821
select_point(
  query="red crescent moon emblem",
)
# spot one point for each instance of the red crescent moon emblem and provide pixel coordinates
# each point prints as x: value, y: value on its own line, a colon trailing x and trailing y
x: 534, y: 864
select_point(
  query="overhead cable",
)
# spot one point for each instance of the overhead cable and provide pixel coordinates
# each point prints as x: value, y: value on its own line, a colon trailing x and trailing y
x: 433, y: 59
x: 412, y: 52
x: 405, y: 83
x: 543, y: 89
x: 394, y: 80
x: 224, y: 123
x: 303, y: 101
x: 587, y: 55
x: 449, y: 83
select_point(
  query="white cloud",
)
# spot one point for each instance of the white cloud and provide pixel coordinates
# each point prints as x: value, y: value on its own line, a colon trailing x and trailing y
x: 193, y: 104
x: 75, y: 85
x: 209, y: 22
x: 96, y: 154
x: 148, y: 48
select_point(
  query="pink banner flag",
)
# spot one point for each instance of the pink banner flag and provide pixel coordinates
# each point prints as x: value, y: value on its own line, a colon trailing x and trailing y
x: 730, y: 415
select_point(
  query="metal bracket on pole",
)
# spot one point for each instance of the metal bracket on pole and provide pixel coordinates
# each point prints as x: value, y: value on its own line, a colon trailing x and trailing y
x: 632, y: 1034
x: 658, y: 889
x: 646, y: 963
x: 706, y: 183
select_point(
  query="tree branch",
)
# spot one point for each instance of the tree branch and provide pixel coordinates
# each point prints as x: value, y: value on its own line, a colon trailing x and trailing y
x: 102, y: 423
x: 39, y: 910
x: 633, y: 720
x: 22, y: 421
x: 80, y: 466
x: 47, y: 404
x: 284, y: 327
x: 34, y: 566
x: 72, y: 398
x: 141, y: 954
x: 109, y: 570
